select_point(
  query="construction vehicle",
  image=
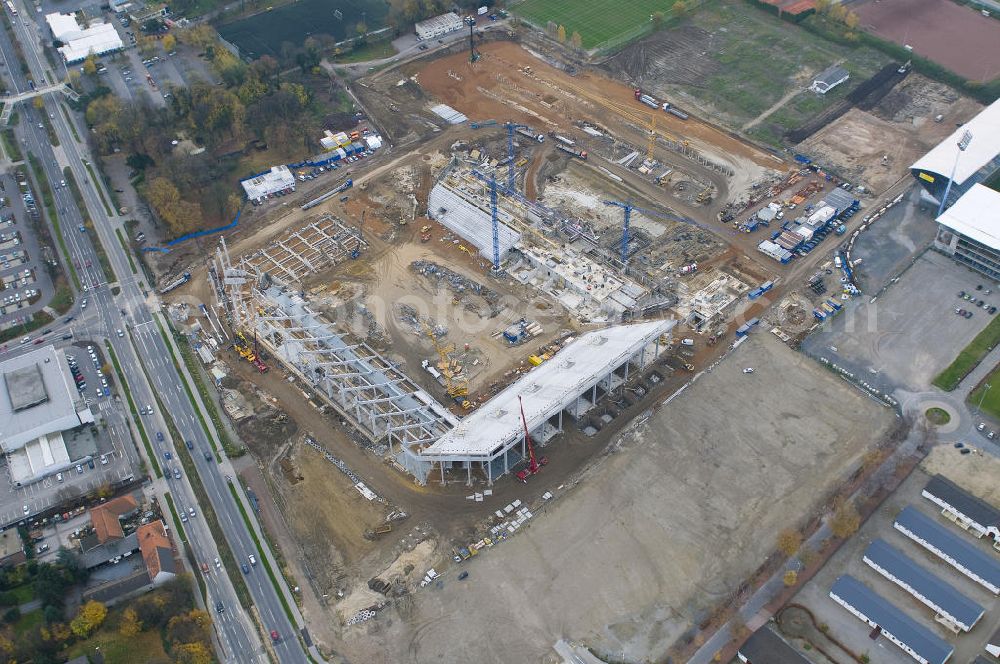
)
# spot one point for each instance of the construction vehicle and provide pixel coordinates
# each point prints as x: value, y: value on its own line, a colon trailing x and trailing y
x: 527, y: 131
x: 534, y: 464
x: 456, y: 384
x: 579, y: 154
x: 648, y: 100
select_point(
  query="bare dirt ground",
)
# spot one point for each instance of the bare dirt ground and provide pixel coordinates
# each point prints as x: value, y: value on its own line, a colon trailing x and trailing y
x: 673, y: 519
x: 499, y: 87
x: 976, y: 473
x: 901, y: 127
x: 957, y: 37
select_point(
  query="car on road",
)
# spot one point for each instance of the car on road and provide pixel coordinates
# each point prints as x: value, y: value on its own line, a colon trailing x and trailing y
x: 252, y: 559
x: 218, y: 565
x: 177, y: 473
x: 82, y: 228
x: 159, y: 437
x: 191, y: 512
x: 119, y: 332
x: 24, y: 508
x: 748, y: 370
x: 59, y: 477
x: 243, y: 566
x: 274, y: 633
x: 189, y: 444
x: 83, y: 303
x: 219, y: 607
x: 104, y: 459
x: 167, y: 455
x: 79, y: 469
x: 208, y: 455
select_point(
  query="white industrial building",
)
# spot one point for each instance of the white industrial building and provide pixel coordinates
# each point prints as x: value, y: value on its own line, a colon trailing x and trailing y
x: 269, y: 182
x: 571, y: 383
x: 99, y: 38
x: 434, y: 27
x: 38, y: 402
x: 969, y: 231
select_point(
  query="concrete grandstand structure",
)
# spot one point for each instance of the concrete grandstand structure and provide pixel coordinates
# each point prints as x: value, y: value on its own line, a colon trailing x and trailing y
x: 975, y: 164
x: 571, y: 383
x: 438, y: 25
x: 969, y: 231
x: 38, y: 403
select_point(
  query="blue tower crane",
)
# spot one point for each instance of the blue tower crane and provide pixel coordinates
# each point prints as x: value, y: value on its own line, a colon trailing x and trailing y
x: 511, y: 128
x: 491, y: 180
x: 628, y: 207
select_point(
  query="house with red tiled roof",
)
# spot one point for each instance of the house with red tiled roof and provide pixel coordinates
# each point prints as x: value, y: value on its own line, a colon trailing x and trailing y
x: 106, y: 518
x: 157, y: 552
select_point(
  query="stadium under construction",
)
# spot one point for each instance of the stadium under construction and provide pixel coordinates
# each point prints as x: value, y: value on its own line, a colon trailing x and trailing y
x: 374, y: 395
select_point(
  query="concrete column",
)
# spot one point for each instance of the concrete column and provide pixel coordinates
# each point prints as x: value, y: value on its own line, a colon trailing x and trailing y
x: 626, y: 370
x: 506, y: 462
x: 468, y: 472
x: 593, y: 399
x: 441, y: 464
x: 560, y: 420
x: 489, y: 472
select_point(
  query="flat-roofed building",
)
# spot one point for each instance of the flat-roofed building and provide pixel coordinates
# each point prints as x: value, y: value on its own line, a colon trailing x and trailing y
x: 913, y: 638
x: 765, y: 646
x: 967, y: 511
x: 953, y: 609
x: 964, y: 556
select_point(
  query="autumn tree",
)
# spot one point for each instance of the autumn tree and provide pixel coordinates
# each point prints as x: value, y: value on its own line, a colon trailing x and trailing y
x: 90, y: 617
x: 790, y: 578
x: 823, y: 6
x: 680, y: 8
x: 789, y: 541
x: 657, y: 19
x: 576, y: 40
x: 191, y: 627
x: 192, y: 653
x: 845, y: 521
x: 129, y: 625
x: 851, y: 20
x: 90, y: 65
x: 169, y: 43
x: 561, y: 34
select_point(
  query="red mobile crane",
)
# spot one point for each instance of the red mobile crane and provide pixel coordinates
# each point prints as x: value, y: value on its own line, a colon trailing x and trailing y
x: 534, y: 464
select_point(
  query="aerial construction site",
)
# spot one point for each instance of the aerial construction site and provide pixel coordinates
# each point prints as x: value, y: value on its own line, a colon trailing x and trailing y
x: 484, y: 333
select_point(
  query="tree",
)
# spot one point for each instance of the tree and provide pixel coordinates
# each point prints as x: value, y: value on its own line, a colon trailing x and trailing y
x: 361, y: 29
x: 845, y: 521
x: 38, y: 103
x: 823, y: 6
x: 561, y: 34
x: 169, y: 43
x: 837, y: 12
x: 73, y: 569
x: 657, y: 19
x: 192, y: 653
x: 74, y: 78
x: 790, y: 578
x: 680, y: 8
x: 91, y: 616
x: 129, y: 625
x: 851, y: 20
x: 789, y: 541
x: 576, y: 40
x: 90, y: 65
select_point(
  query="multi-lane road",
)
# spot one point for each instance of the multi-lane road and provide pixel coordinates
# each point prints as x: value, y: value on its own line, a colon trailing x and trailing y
x: 144, y: 347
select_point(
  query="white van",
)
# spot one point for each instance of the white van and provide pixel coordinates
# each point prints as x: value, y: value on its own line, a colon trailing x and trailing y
x: 837, y: 262
x: 687, y: 342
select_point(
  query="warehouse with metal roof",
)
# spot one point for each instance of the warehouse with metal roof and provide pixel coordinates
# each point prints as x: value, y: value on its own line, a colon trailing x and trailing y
x: 966, y: 510
x: 572, y: 382
x: 964, y: 556
x: 765, y: 646
x: 954, y: 610
x: 979, y: 160
x: 916, y: 640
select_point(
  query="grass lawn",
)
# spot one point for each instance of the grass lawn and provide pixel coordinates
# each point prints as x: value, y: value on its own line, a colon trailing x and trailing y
x: 937, y: 416
x: 970, y: 357
x: 595, y: 20
x: 27, y: 621
x: 990, y: 396
x: 376, y: 51
x: 24, y: 593
x: 146, y: 647
x: 758, y: 58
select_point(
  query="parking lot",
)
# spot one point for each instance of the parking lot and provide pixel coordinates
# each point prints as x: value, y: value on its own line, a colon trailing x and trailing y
x: 25, y: 285
x: 911, y: 332
x: 102, y: 453
x: 848, y: 560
